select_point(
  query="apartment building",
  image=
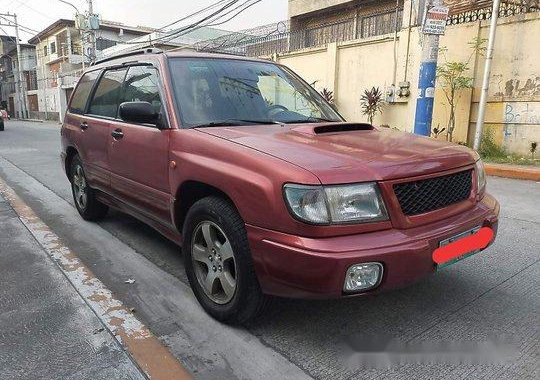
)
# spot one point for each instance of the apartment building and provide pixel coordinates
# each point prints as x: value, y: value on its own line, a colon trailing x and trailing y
x: 61, y: 52
x: 19, y: 98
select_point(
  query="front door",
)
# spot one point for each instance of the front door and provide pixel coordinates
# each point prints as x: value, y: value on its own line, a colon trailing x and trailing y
x: 139, y: 153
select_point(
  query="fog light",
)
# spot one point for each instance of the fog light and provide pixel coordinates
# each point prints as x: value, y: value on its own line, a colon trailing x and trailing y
x: 363, y: 277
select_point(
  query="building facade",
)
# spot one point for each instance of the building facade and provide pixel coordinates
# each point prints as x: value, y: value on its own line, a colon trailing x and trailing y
x: 7, y: 43
x: 61, y: 52
x: 347, y: 47
x: 18, y: 96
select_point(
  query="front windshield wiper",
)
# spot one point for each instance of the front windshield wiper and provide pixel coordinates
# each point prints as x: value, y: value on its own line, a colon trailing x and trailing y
x: 233, y: 123
x: 311, y: 119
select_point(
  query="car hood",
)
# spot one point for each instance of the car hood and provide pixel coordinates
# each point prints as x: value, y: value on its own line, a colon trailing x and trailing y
x: 346, y: 152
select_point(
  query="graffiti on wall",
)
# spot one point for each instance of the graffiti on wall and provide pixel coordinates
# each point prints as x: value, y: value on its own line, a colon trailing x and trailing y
x: 516, y: 88
x: 522, y: 113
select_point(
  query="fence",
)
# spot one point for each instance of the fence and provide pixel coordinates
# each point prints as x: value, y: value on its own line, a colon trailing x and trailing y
x: 271, y: 40
x: 481, y: 10
x: 252, y: 43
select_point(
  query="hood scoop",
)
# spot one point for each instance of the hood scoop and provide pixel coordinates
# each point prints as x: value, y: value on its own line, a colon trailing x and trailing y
x: 333, y: 128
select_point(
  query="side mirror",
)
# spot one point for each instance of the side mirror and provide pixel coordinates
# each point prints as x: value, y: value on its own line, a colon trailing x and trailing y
x: 138, y: 112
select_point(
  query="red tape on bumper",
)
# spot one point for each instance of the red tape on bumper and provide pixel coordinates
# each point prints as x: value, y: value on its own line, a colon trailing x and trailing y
x: 479, y: 240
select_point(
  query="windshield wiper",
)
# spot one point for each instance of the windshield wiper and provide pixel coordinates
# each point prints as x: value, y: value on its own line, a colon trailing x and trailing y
x: 310, y: 119
x: 233, y: 123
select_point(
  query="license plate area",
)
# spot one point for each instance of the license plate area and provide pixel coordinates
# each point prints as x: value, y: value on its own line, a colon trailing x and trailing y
x: 455, y: 238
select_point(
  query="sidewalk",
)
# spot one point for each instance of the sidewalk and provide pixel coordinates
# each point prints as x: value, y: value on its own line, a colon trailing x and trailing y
x: 48, y: 331
x: 531, y: 173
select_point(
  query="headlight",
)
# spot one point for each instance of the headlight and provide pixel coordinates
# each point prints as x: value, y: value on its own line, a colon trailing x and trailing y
x: 357, y: 203
x: 480, y: 176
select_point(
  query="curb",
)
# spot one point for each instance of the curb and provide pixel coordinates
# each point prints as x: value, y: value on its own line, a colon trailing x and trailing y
x: 29, y: 120
x: 513, y: 171
x: 151, y: 356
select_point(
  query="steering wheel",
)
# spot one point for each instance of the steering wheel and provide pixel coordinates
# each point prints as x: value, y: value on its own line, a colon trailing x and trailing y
x: 276, y: 108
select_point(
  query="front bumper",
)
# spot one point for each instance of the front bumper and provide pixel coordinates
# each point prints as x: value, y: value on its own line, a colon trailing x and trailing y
x: 298, y: 267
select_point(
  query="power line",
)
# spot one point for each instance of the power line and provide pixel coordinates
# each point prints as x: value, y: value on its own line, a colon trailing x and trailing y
x: 193, y: 14
x: 211, y: 18
x: 240, y: 8
x: 22, y: 4
x: 20, y: 26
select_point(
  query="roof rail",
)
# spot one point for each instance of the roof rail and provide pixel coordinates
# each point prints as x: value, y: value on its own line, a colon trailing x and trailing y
x: 128, y: 54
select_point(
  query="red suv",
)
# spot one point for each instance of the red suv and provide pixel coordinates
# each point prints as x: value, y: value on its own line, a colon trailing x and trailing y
x: 264, y: 185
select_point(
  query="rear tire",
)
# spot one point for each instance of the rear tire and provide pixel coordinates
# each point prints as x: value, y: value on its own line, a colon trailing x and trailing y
x: 83, y: 195
x: 218, y: 262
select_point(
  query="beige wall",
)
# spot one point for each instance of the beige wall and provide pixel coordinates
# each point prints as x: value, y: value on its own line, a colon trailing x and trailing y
x: 513, y: 112
x: 300, y: 7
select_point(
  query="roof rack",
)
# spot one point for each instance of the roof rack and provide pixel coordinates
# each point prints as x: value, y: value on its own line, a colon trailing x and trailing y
x: 128, y: 54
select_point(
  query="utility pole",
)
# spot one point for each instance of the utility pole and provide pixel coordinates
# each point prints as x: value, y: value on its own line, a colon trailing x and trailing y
x: 22, y: 97
x: 487, y: 74
x: 434, y: 25
x: 92, y: 32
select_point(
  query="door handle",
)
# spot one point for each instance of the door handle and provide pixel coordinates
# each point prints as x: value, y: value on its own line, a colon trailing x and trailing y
x: 117, y: 134
x: 83, y: 126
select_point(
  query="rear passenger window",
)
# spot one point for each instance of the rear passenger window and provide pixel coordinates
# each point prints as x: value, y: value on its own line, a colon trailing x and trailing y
x: 82, y: 92
x: 106, y: 98
x: 141, y: 85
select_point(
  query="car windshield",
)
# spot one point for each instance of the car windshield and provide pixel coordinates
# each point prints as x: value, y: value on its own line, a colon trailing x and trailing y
x: 216, y: 92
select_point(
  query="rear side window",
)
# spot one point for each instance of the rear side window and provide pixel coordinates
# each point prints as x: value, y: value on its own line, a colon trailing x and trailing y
x: 141, y: 85
x: 82, y: 92
x: 106, y: 98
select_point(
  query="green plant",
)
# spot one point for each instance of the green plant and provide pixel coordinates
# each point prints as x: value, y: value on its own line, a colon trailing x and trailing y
x: 453, y: 76
x: 372, y: 103
x: 489, y: 148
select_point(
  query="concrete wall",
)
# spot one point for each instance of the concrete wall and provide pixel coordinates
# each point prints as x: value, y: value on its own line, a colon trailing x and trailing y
x: 300, y: 7
x: 348, y: 68
x: 513, y: 112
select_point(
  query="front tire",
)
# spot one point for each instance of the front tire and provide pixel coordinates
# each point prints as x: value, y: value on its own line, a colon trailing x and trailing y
x: 84, y: 196
x: 218, y: 262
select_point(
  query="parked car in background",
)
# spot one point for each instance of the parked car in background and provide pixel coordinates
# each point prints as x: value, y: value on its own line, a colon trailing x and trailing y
x: 264, y: 185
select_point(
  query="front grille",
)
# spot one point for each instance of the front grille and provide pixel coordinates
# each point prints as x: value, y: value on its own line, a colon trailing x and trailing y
x: 434, y: 193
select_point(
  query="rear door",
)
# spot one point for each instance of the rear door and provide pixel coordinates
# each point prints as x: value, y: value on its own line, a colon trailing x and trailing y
x: 88, y: 135
x: 139, y: 155
x: 96, y: 127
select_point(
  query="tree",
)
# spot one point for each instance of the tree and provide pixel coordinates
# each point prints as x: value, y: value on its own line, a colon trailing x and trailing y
x: 452, y: 77
x: 372, y: 103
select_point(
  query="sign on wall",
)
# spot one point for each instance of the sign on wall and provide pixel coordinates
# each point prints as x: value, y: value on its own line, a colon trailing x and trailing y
x: 435, y: 20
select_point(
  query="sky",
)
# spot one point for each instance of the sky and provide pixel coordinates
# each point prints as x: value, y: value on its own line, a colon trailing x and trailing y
x: 38, y: 14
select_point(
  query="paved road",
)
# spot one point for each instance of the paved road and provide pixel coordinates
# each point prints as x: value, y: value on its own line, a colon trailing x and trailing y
x: 491, y: 296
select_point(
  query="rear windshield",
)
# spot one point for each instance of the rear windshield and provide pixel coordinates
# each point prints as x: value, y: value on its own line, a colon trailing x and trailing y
x: 209, y: 90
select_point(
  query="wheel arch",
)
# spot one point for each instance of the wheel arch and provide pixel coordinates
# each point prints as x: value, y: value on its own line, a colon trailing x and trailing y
x: 70, y: 153
x: 191, y: 191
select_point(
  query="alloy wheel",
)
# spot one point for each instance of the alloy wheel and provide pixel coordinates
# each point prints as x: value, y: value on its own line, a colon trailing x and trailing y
x: 214, y: 262
x: 80, y: 189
